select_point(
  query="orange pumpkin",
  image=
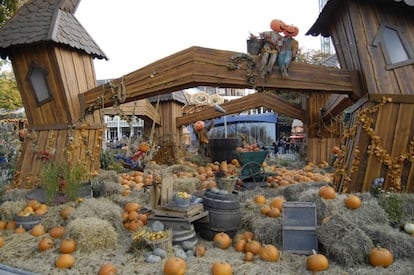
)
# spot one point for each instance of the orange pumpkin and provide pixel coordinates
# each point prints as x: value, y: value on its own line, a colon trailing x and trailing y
x: 277, y: 203
x: 336, y: 150
x: 144, y: 147
x: 67, y: 246
x: 273, y: 212
x: 380, y: 256
x: 252, y: 246
x: 222, y: 240
x: 221, y: 268
x: 107, y: 269
x: 1, y: 241
x: 269, y: 253
x: 175, y: 266
x: 291, y: 31
x: 264, y: 210
x: 3, y: 224
x: 327, y: 192
x: 260, y: 199
x: 352, y: 201
x: 20, y: 230
x: 199, y: 125
x: 38, y: 230
x: 11, y: 225
x: 248, y: 257
x: 57, y: 232
x: 45, y: 244
x: 200, y: 250
x: 132, y: 206
x: 65, y: 261
x: 316, y: 262
x: 277, y: 25
x: 65, y: 212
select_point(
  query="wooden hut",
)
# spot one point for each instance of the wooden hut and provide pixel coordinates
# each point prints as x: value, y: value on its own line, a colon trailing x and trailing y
x: 52, y: 58
x: 375, y: 40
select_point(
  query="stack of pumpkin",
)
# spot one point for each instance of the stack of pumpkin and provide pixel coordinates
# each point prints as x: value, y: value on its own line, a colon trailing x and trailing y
x: 131, y: 218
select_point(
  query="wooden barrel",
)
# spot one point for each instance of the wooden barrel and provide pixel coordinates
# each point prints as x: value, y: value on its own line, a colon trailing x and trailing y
x: 223, y: 214
x: 27, y: 222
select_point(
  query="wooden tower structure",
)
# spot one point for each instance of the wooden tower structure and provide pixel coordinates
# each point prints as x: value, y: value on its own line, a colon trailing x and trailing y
x: 52, y: 58
x: 375, y: 40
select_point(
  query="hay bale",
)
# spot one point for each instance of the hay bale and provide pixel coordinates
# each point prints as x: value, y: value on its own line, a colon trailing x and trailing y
x: 294, y: 191
x: 399, y: 243
x: 188, y: 185
x: 9, y: 209
x: 110, y: 188
x: 52, y: 217
x: 343, y: 241
x: 15, y: 194
x: 91, y: 234
x: 101, y: 208
x: 174, y: 169
x: 407, y: 201
x: 268, y: 230
x: 108, y: 176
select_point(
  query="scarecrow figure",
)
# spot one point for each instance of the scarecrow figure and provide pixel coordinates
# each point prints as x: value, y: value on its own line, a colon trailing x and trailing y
x: 201, y: 130
x: 288, y: 51
x: 269, y: 52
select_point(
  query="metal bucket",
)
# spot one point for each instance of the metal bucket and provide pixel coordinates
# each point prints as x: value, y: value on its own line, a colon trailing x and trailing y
x: 221, y: 148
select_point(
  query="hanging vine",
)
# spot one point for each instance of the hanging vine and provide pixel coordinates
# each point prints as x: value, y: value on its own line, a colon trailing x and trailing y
x: 235, y: 64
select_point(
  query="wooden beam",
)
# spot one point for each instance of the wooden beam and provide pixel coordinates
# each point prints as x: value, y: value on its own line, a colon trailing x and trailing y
x: 265, y: 99
x: 335, y: 105
x: 140, y: 108
x: 198, y: 66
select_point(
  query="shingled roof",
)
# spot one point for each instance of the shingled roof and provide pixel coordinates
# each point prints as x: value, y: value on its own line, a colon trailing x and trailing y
x: 321, y: 26
x: 42, y: 21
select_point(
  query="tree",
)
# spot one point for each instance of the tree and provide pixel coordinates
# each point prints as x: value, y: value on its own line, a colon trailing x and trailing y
x: 9, y: 94
x: 8, y: 8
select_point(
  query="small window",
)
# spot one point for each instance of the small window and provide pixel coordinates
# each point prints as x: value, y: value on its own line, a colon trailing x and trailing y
x: 396, y: 49
x: 37, y: 77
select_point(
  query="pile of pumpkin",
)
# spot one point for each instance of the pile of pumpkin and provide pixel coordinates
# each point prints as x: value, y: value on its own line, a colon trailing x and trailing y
x: 137, y: 180
x: 131, y: 218
x: 33, y: 207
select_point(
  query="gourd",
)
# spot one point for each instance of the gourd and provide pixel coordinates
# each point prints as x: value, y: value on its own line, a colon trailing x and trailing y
x: 380, y: 256
x: 199, y: 125
x: 107, y: 269
x: 222, y: 240
x: 57, y: 232
x: 67, y: 246
x: 38, y: 230
x: 269, y: 253
x: 316, y: 262
x: 45, y: 244
x: 153, y: 259
x: 159, y: 252
x: 175, y: 266
x: 221, y: 268
x: 352, y: 202
x: 327, y: 192
x: 409, y: 227
x: 65, y: 261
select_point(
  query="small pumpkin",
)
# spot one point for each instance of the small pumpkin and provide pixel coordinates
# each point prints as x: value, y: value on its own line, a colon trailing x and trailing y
x: 38, y: 230
x: 1, y: 241
x: 327, y: 192
x: 248, y: 235
x: 222, y: 240
x: 273, y: 212
x: 248, y: 257
x: 260, y: 199
x: 45, y: 244
x: 264, y: 210
x: 20, y: 230
x: 132, y: 207
x: 380, y: 256
x: 175, y: 266
x: 65, y: 261
x: 200, y: 250
x: 336, y: 150
x: 57, y: 232
x: 107, y: 269
x: 144, y: 147
x: 3, y: 224
x: 199, y: 125
x: 65, y: 212
x: 277, y: 25
x: 352, y: 202
x: 252, y: 246
x: 269, y: 253
x: 239, y: 245
x: 277, y: 203
x: 11, y: 225
x: 221, y: 268
x: 67, y: 246
x: 316, y: 262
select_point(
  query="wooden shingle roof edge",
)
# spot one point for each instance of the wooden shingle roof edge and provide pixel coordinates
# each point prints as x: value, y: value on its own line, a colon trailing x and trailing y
x: 321, y: 25
x: 45, y: 21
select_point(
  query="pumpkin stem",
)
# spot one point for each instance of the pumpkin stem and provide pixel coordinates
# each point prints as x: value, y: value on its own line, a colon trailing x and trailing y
x: 314, y: 252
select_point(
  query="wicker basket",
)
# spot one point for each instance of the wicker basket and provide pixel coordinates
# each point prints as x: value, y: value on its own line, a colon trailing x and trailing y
x: 165, y: 243
x: 254, y: 46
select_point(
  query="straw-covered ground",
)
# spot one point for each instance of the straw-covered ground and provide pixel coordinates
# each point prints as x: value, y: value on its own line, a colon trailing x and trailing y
x: 345, y: 236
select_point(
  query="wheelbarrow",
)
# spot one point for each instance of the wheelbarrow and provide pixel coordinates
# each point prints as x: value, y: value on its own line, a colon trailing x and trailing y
x: 252, y: 174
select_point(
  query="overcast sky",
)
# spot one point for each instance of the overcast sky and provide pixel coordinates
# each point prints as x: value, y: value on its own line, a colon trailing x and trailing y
x: 135, y: 33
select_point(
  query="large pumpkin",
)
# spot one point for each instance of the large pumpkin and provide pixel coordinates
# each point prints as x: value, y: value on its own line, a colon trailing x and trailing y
x: 222, y: 240
x: 45, y: 244
x: 107, y: 269
x: 67, y: 246
x: 175, y: 266
x: 380, y: 256
x: 316, y: 262
x: 352, y: 201
x: 65, y: 261
x: 199, y: 125
x: 327, y: 192
x: 277, y: 25
x: 269, y: 253
x: 221, y: 268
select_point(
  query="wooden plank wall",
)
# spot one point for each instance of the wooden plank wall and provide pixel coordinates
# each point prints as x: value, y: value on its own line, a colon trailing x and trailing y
x: 321, y: 136
x: 57, y: 126
x: 391, y: 130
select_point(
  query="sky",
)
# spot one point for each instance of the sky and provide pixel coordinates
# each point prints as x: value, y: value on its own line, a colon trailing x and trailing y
x: 135, y: 33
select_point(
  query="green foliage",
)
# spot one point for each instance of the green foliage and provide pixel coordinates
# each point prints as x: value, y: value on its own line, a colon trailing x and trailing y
x: 50, y: 180
x: 73, y: 174
x: 10, y: 98
x: 392, y: 205
x: 8, y: 8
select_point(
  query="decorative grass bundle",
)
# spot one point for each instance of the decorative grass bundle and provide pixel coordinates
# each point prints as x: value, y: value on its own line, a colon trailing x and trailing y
x: 343, y: 241
x: 10, y: 208
x: 100, y: 208
x: 91, y: 234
